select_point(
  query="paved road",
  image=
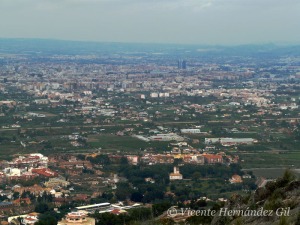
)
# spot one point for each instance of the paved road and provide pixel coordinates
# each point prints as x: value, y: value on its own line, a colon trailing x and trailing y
x: 70, y: 126
x: 225, y: 121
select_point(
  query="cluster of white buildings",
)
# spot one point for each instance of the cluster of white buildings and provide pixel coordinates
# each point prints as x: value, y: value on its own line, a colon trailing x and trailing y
x: 22, y: 167
x: 166, y: 137
x: 26, y: 219
x: 230, y: 141
x: 159, y: 95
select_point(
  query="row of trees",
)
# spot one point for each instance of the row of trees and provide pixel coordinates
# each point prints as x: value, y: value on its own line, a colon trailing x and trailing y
x: 138, y: 190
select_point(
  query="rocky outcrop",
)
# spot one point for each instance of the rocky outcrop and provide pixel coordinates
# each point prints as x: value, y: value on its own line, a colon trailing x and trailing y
x: 276, y: 203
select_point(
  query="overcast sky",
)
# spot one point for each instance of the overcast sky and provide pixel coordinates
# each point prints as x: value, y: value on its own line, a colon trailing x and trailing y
x: 155, y: 21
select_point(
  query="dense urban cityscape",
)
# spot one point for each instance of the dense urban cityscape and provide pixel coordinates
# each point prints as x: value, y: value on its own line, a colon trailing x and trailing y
x: 114, y: 133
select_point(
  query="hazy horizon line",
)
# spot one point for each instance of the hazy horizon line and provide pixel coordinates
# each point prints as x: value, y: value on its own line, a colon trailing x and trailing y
x: 282, y: 43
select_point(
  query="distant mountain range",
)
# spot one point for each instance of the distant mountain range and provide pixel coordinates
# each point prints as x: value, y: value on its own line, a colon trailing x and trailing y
x: 48, y: 46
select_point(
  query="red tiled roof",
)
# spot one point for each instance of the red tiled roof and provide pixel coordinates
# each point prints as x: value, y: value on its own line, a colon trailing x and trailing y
x: 44, y: 172
x: 213, y: 156
x: 116, y: 211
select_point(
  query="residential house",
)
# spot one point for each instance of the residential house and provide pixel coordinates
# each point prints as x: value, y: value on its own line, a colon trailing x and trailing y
x: 176, y: 175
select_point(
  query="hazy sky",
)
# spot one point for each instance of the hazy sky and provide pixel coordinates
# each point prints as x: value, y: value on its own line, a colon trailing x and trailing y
x: 157, y: 21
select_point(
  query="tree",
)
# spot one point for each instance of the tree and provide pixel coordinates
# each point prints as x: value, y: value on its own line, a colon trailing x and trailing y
x: 177, y: 161
x: 107, y: 195
x: 25, y: 194
x: 3, y: 198
x: 16, y: 195
x: 100, y: 159
x: 81, y: 157
x: 289, y: 176
x: 47, y: 219
x: 136, y: 197
x: 123, y: 191
x: 167, y: 221
x: 124, y: 161
x: 41, y: 208
x: 159, y: 208
x: 196, y: 176
x: 111, y: 219
x: 195, y: 220
x: 140, y: 214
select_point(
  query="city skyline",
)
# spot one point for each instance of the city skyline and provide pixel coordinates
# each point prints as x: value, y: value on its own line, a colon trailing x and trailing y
x: 180, y: 22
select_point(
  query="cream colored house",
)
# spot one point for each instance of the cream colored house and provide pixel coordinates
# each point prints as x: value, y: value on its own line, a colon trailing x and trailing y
x: 176, y: 175
x: 77, y: 218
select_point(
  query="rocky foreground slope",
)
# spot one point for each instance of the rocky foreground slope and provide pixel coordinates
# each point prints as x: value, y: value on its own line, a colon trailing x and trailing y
x: 276, y: 203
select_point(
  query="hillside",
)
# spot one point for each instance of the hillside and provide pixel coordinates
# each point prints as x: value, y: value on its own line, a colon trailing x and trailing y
x: 280, y: 200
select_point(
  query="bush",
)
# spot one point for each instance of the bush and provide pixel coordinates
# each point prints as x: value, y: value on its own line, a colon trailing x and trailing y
x: 261, y: 194
x: 41, y: 208
x: 159, y: 208
x: 273, y: 204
